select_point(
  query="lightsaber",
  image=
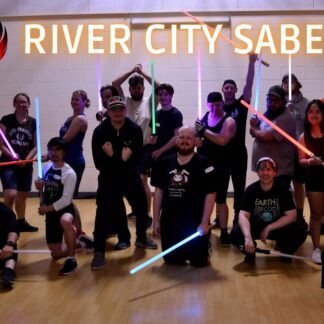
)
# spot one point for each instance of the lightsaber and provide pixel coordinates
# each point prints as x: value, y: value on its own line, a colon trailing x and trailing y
x: 222, y: 35
x: 153, y: 98
x: 257, y: 86
x: 289, y: 78
x: 17, y: 162
x: 39, y: 148
x: 279, y: 130
x: 99, y: 82
x: 160, y: 255
x: 8, y: 144
x: 199, y: 81
x: 286, y: 255
x: 31, y: 251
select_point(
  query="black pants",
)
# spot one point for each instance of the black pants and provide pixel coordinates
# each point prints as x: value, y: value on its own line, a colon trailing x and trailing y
x: 288, y: 238
x: 111, y: 213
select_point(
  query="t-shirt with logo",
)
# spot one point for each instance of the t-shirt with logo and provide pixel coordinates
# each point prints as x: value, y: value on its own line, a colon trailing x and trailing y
x: 20, y: 135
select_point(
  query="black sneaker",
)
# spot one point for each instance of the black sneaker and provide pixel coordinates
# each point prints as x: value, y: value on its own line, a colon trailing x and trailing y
x: 122, y: 246
x: 69, y: 267
x: 8, y: 278
x: 146, y: 244
x: 249, y: 258
x: 224, y: 239
x: 98, y: 261
x: 24, y: 226
x: 87, y: 241
x: 149, y: 222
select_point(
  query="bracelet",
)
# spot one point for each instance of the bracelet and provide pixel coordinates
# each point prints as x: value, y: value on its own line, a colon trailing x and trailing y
x: 10, y: 243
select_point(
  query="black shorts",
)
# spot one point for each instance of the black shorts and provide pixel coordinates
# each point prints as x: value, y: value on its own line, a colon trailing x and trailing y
x: 18, y: 178
x: 54, y: 230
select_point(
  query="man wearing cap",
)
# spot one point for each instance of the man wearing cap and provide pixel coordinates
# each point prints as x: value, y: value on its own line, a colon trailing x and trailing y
x: 236, y: 110
x: 217, y: 130
x: 139, y: 110
x: 268, y: 212
x: 116, y: 146
x: 270, y: 142
x: 297, y: 107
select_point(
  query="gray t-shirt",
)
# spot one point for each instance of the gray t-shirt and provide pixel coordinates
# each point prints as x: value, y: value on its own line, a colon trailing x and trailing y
x: 280, y: 149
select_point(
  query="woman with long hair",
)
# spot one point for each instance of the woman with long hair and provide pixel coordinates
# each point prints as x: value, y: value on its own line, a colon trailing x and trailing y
x: 313, y: 139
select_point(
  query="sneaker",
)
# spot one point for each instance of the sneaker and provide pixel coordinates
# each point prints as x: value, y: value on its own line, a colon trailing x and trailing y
x: 69, y: 267
x: 131, y: 215
x: 224, y: 239
x: 98, y: 261
x: 8, y: 278
x: 86, y: 241
x: 146, y: 244
x: 249, y: 258
x: 149, y: 222
x: 24, y: 226
x: 122, y: 246
x: 316, y: 256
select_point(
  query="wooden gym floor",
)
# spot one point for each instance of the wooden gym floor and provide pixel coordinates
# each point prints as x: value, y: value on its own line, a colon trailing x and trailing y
x: 229, y: 291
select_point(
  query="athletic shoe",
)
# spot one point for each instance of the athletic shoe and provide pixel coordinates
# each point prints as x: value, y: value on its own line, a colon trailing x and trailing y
x: 98, y: 261
x: 149, y: 222
x: 249, y: 258
x: 316, y: 256
x: 146, y: 244
x: 69, y: 267
x: 224, y: 239
x: 86, y: 241
x: 8, y: 278
x: 24, y: 226
x: 122, y: 246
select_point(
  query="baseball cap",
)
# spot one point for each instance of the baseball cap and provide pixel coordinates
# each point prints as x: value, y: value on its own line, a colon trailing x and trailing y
x: 116, y: 102
x: 277, y: 91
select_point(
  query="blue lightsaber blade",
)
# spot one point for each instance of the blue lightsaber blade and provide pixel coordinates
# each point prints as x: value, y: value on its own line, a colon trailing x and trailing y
x: 160, y: 255
x: 39, y: 150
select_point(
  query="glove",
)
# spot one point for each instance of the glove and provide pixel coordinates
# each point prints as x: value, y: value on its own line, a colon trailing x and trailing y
x: 200, y: 127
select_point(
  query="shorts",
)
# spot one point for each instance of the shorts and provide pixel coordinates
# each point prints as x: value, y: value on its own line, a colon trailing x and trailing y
x: 145, y: 162
x: 54, y: 230
x: 18, y: 178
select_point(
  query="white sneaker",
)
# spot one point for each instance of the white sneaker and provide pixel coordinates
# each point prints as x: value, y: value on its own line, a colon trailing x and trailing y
x: 316, y: 256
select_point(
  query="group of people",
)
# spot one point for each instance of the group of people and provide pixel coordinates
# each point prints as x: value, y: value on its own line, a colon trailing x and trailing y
x: 190, y: 168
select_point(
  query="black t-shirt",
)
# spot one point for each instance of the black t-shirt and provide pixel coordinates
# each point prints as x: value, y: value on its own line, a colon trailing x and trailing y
x: 8, y: 223
x: 184, y: 188
x: 166, y: 122
x: 267, y: 207
x: 20, y: 136
x: 239, y: 112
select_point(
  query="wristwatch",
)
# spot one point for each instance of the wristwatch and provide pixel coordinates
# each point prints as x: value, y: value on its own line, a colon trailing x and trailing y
x: 10, y: 243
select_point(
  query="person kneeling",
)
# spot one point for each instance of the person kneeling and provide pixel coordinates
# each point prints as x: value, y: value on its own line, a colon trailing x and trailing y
x: 268, y: 212
x: 58, y: 183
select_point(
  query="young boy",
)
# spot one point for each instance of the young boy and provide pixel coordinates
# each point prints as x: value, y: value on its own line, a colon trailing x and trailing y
x: 58, y: 183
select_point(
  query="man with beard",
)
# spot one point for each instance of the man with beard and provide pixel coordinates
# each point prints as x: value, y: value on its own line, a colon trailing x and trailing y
x: 268, y: 212
x: 183, y: 201
x: 139, y: 110
x: 269, y: 142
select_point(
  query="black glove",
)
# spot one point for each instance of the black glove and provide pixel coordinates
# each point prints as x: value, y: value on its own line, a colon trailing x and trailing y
x: 200, y: 127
